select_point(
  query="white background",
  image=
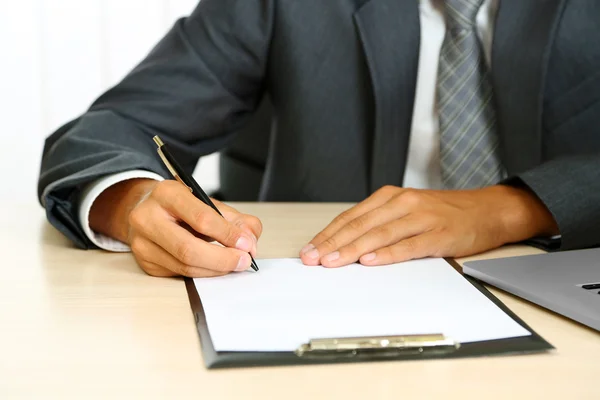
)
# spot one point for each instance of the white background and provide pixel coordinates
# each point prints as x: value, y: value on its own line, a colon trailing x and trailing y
x: 56, y: 57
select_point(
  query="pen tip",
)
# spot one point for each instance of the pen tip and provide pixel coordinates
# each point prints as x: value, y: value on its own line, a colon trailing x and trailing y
x: 254, y: 266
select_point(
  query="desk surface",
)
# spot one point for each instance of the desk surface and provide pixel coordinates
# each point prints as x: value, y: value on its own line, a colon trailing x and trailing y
x: 78, y: 324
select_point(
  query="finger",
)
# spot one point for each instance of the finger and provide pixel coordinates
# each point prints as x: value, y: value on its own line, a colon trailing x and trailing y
x: 182, y: 204
x: 191, y: 230
x: 252, y: 226
x: 245, y: 221
x: 250, y: 223
x: 358, y: 227
x: 143, y: 251
x: 415, y: 247
x: 154, y: 224
x: 155, y: 269
x: 155, y: 261
x: 377, y: 199
x: 377, y: 238
x: 225, y: 209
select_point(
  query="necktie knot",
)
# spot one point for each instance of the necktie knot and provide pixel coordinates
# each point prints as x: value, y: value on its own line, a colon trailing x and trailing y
x: 462, y: 14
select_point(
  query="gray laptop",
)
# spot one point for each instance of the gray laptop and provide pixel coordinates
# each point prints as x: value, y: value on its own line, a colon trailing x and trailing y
x: 565, y: 282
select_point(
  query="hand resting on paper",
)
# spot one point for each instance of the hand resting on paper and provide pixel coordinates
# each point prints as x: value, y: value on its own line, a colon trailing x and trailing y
x: 396, y: 224
x: 169, y: 230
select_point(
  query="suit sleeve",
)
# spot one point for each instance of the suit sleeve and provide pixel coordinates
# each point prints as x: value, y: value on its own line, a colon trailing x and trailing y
x: 195, y: 89
x: 570, y: 189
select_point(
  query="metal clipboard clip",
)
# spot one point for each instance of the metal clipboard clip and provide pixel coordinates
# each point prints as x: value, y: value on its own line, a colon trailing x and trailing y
x: 378, y: 346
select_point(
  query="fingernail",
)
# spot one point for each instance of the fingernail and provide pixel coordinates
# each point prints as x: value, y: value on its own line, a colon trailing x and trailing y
x: 369, y: 257
x: 313, y: 254
x: 244, y: 244
x: 243, y: 263
x: 333, y: 256
x: 307, y: 248
x: 254, y: 245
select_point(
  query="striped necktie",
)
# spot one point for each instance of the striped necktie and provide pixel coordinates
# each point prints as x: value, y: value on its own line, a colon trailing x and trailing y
x: 468, y: 139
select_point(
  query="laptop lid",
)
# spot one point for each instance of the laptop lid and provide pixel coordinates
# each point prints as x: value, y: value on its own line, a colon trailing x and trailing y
x: 565, y: 282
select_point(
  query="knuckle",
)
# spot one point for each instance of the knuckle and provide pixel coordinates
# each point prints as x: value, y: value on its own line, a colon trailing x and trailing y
x: 186, y: 270
x: 231, y: 233
x: 409, y: 248
x: 358, y: 224
x: 145, y: 267
x: 201, y: 220
x: 387, y: 254
x: 255, y: 222
x: 410, y: 245
x: 343, y: 218
x: 184, y: 253
x: 149, y: 270
x: 387, y: 189
x: 397, y: 255
x: 318, y: 239
x: 137, y: 246
x: 410, y: 197
x: 330, y: 243
x: 137, y: 218
x: 438, y: 252
x: 384, y: 233
x: 351, y: 249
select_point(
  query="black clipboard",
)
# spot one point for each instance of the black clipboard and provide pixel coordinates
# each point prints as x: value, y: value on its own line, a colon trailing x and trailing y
x: 230, y: 359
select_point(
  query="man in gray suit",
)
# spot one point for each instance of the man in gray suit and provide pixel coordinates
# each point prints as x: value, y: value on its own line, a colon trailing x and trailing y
x: 457, y: 126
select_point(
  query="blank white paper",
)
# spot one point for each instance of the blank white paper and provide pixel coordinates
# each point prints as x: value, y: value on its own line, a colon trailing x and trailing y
x: 286, y: 304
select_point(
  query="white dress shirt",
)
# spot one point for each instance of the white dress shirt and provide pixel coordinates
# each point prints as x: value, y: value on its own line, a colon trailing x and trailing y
x: 423, y: 170
x: 423, y: 163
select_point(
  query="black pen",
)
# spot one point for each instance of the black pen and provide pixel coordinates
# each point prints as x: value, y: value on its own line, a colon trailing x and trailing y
x: 187, y: 180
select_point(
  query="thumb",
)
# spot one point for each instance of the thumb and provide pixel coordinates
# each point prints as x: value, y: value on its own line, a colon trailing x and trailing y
x: 250, y: 224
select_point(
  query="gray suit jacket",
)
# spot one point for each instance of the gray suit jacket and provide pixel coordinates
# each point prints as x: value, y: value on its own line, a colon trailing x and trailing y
x: 335, y: 81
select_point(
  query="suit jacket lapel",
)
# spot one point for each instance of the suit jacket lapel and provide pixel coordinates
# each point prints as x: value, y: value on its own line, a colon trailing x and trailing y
x: 522, y: 41
x: 389, y: 31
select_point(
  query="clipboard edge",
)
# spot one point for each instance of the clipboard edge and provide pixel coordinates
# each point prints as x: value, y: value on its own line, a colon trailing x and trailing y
x: 523, y: 345
x: 479, y: 285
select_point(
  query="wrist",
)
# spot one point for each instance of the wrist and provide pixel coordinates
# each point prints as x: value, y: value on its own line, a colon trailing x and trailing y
x: 521, y: 214
x: 109, y: 213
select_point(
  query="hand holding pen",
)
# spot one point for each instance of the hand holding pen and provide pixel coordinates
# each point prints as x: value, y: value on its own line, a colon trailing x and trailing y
x: 170, y: 231
x: 188, y: 181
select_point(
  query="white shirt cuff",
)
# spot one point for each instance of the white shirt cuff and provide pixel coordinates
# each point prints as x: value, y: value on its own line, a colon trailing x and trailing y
x: 91, y: 193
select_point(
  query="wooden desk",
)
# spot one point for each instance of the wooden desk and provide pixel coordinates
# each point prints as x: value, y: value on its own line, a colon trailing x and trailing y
x: 76, y: 324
